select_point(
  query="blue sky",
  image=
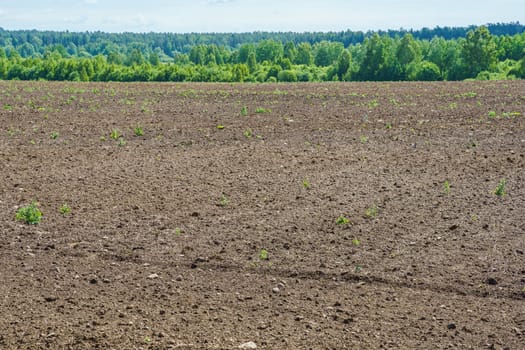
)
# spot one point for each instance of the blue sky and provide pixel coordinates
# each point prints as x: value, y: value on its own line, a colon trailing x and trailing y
x: 251, y: 15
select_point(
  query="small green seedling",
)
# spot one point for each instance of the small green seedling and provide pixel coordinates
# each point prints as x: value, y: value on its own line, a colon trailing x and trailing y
x: 388, y: 126
x: 373, y: 103
x: 342, y: 220
x: 30, y: 214
x: 65, y: 209
x: 248, y: 133
x: 114, y: 134
x: 178, y: 231
x: 244, y: 111
x: 371, y: 212
x: 363, y: 139
x: 54, y: 135
x: 138, y: 131
x: 306, y: 184
x: 356, y: 242
x: 220, y: 126
x: 446, y: 187
x: 224, y: 201
x: 262, y: 110
x: 500, y: 189
x: 263, y: 254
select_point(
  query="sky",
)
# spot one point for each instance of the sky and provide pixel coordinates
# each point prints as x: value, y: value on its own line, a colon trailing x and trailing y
x: 183, y: 16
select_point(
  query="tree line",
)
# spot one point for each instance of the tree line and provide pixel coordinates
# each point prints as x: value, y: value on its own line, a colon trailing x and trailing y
x: 266, y: 57
x: 31, y: 42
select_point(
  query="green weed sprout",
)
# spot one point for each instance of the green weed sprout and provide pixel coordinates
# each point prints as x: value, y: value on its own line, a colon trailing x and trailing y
x: 244, y: 111
x: 306, y: 184
x: 262, y: 110
x: 500, y: 189
x: 371, y: 212
x: 263, y: 254
x: 138, y: 130
x: 446, y: 187
x: 64, y: 209
x: 114, y: 134
x: 342, y: 220
x: 30, y: 214
x: 223, y: 201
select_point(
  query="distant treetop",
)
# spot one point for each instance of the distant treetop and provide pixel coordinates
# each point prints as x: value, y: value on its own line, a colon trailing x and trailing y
x: 97, y: 42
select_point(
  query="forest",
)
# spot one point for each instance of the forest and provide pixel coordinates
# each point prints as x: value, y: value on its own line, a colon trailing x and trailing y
x: 494, y: 51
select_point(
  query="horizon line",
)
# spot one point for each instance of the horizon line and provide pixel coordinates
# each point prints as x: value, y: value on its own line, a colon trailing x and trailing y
x: 265, y: 31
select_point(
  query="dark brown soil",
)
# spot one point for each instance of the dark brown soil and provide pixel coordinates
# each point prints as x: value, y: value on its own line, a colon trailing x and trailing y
x: 162, y: 248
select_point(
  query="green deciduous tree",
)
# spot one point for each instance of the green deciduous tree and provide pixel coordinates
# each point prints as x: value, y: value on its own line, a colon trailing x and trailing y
x: 273, y: 71
x: 154, y: 59
x: 379, y: 61
x: 519, y: 70
x: 269, y: 50
x: 343, y: 64
x: 407, y: 52
x: 197, y: 54
x: 287, y: 76
x: 285, y: 63
x: 478, y: 51
x: 304, y: 54
x: 251, y: 62
x: 423, y: 71
x: 114, y: 58
x: 244, y: 52
x: 135, y: 58
x: 326, y: 53
x: 290, y: 51
x: 240, y: 72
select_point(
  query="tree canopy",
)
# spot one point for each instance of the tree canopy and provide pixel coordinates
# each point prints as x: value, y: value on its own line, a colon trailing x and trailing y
x: 492, y: 51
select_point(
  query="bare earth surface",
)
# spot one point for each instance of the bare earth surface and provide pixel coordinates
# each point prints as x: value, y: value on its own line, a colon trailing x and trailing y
x: 163, y: 245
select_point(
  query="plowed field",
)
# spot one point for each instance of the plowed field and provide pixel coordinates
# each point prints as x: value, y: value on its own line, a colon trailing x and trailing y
x: 306, y: 216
